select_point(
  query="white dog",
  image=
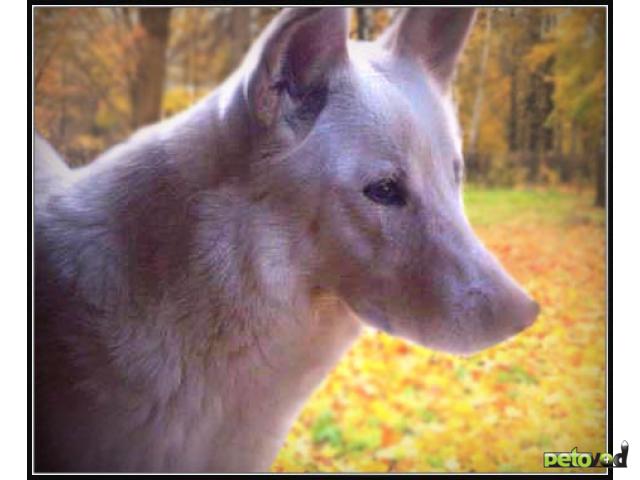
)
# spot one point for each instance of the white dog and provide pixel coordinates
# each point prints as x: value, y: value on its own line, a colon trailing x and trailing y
x: 197, y: 282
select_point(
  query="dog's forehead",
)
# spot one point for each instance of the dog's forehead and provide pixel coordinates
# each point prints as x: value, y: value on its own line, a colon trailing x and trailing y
x: 402, y: 105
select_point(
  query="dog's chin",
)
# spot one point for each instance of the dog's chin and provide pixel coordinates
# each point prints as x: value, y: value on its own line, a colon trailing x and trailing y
x: 460, y: 347
x: 464, y: 345
x: 379, y: 320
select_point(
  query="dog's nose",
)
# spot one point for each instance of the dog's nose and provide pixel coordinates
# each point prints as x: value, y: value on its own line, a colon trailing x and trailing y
x: 528, y: 314
x: 535, y: 311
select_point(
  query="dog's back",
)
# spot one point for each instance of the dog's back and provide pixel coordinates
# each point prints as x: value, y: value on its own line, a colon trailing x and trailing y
x: 110, y: 238
x: 58, y: 314
x: 50, y: 172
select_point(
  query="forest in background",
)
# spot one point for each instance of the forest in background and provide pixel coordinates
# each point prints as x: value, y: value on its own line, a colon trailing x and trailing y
x: 530, y: 88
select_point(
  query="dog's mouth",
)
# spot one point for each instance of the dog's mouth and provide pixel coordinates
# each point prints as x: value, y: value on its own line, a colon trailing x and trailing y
x: 425, y: 334
x: 464, y: 333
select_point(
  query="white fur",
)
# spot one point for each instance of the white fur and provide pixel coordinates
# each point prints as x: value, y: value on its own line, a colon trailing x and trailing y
x: 196, y: 283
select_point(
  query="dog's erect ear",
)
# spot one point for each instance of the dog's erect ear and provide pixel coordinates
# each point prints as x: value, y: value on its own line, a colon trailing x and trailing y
x: 290, y: 63
x: 433, y: 35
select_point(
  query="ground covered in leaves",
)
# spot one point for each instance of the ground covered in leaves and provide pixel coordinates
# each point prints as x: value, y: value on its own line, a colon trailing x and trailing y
x: 393, y: 406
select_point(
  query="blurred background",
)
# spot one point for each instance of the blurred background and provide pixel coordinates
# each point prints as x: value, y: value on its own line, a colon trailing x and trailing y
x: 530, y: 91
x: 530, y: 87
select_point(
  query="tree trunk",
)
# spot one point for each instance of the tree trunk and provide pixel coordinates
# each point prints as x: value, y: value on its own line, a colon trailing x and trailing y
x: 239, y: 28
x: 601, y: 178
x: 363, y: 23
x: 148, y: 82
x: 513, y: 111
x: 62, y: 125
x: 573, y: 148
x: 479, y: 97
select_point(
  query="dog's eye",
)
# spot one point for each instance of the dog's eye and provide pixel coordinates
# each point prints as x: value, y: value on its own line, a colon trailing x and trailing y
x: 386, y: 192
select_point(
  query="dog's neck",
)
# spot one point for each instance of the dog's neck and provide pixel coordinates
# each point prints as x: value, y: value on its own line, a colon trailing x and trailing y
x: 210, y: 336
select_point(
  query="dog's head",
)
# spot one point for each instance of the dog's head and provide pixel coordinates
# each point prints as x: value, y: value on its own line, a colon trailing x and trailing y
x: 363, y: 153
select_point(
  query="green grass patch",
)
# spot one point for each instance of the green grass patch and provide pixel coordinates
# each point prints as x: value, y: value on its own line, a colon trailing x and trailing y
x: 486, y: 207
x: 326, y: 430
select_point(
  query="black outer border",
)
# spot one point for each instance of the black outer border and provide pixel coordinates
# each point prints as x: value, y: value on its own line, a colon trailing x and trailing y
x: 609, y: 223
